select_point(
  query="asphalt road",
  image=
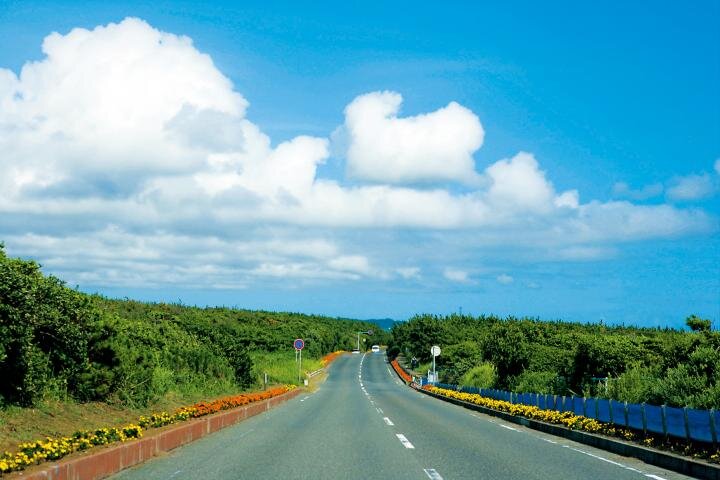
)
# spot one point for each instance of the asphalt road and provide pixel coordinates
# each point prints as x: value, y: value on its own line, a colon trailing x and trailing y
x: 363, y: 423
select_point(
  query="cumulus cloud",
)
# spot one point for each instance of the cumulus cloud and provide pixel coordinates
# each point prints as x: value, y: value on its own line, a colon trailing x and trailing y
x: 126, y: 146
x: 691, y: 187
x: 436, y: 146
x: 456, y: 275
x: 504, y: 279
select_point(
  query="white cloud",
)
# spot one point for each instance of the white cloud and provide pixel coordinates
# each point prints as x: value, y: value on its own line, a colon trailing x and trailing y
x: 519, y: 184
x: 408, y: 272
x: 436, y: 146
x: 691, y: 187
x: 504, y: 279
x: 455, y: 275
x: 623, y: 190
x: 126, y: 151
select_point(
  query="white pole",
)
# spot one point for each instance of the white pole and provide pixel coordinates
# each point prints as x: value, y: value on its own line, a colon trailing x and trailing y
x: 358, y: 343
x: 300, y: 367
x: 434, y: 374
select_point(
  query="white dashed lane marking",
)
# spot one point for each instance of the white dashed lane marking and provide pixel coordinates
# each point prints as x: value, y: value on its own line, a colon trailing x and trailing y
x: 388, y: 421
x: 509, y: 428
x: 406, y: 443
x: 432, y: 474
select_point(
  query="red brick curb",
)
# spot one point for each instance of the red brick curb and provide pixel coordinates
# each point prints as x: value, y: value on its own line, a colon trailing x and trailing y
x: 106, y: 462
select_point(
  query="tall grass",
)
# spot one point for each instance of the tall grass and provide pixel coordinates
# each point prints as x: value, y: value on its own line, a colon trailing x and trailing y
x: 281, y: 366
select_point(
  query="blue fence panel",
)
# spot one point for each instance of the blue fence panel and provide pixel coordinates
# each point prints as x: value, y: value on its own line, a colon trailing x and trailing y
x: 699, y: 421
x: 590, y: 407
x: 675, y: 421
x: 653, y: 414
x: 635, y: 419
x: 618, y: 413
x: 577, y: 406
x: 603, y: 410
x: 717, y: 425
x: 567, y: 406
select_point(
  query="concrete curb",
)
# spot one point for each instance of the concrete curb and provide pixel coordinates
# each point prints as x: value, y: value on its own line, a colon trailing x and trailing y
x: 108, y: 461
x: 658, y: 458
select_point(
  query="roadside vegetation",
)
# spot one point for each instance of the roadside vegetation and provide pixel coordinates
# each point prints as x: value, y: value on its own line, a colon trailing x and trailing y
x: 61, y: 350
x: 653, y: 365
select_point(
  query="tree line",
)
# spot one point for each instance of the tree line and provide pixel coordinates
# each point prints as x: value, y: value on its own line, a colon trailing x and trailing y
x: 653, y: 365
x: 59, y: 343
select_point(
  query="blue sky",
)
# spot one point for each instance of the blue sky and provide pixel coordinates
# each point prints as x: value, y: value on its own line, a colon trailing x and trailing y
x: 268, y: 179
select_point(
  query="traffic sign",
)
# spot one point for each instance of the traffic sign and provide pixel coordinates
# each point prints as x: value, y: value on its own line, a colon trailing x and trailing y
x: 435, y: 350
x: 370, y: 332
x: 299, y: 344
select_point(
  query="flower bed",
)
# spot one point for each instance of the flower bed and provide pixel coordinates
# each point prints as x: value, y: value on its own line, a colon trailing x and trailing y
x: 327, y: 359
x: 575, y: 422
x: 403, y: 374
x: 32, y: 453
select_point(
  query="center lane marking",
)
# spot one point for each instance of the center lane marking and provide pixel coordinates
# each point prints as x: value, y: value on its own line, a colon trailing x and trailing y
x: 432, y: 474
x: 406, y: 443
x: 388, y: 421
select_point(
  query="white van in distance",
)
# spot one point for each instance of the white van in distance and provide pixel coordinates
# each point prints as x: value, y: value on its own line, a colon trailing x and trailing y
x: 376, y: 348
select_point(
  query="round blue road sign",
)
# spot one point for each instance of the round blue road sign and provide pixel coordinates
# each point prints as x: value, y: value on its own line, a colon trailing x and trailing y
x: 299, y: 344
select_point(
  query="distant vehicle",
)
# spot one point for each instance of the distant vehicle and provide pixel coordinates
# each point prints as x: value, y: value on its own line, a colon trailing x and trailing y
x: 376, y: 348
x: 355, y: 350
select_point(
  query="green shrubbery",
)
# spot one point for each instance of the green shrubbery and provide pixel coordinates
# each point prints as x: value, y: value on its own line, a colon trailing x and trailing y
x: 659, y: 366
x: 59, y: 343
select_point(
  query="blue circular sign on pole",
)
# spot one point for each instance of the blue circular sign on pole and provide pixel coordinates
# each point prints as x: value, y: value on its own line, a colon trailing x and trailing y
x: 299, y: 344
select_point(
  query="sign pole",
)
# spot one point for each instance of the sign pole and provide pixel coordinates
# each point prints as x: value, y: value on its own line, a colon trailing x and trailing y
x: 299, y: 344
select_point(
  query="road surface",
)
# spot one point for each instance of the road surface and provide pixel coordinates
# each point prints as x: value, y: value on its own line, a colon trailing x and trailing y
x: 363, y: 423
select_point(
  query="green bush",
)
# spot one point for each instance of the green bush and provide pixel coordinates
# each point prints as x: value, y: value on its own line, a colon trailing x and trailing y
x: 636, y: 385
x: 545, y: 382
x: 480, y: 376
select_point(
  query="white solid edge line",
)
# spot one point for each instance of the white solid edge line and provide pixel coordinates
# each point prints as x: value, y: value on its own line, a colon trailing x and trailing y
x: 509, y: 428
x: 649, y: 475
x: 406, y: 443
x: 595, y: 456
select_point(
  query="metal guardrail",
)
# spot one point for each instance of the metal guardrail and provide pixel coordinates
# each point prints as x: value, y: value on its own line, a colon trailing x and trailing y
x: 316, y: 372
x: 687, y: 423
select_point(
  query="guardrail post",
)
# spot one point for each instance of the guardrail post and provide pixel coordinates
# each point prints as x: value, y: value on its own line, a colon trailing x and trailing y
x: 627, y: 414
x: 644, y: 418
x: 687, y: 423
x: 713, y: 427
x: 612, y: 417
x: 664, y: 421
